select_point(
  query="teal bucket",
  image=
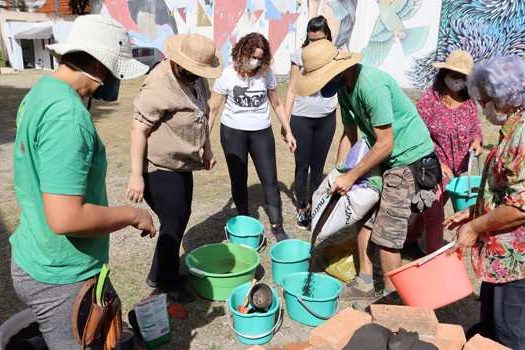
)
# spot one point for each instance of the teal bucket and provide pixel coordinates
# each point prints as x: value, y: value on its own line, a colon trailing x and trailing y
x: 246, y: 231
x: 458, y: 187
x: 289, y: 256
x: 315, y: 309
x: 253, y: 328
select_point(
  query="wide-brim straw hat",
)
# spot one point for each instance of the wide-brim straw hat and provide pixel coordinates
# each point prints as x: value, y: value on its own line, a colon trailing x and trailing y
x: 458, y: 61
x: 195, y: 53
x: 106, y: 40
x: 321, y: 62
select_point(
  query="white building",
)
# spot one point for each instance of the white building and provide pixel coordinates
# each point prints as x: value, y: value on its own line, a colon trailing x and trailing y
x: 25, y: 35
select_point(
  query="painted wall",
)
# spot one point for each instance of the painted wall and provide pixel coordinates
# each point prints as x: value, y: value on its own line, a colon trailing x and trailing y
x: 150, y: 22
x: 393, y: 34
x: 485, y: 28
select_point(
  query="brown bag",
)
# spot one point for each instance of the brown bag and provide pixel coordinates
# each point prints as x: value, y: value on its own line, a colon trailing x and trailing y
x: 96, y: 326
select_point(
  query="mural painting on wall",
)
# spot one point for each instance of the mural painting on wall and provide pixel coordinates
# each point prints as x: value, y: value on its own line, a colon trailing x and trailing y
x: 391, y: 34
x: 149, y: 22
x: 485, y: 28
x: 390, y: 26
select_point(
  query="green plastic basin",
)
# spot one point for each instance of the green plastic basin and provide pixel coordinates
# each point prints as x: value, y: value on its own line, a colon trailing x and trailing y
x: 217, y: 269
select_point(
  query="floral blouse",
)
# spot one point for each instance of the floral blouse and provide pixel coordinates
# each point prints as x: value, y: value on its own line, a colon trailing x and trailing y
x: 452, y: 130
x: 500, y: 258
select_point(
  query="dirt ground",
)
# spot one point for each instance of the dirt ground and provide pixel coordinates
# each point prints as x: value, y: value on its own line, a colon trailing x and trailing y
x: 207, y: 326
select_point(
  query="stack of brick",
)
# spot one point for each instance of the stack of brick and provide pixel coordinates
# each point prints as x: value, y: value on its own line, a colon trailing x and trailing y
x: 420, y: 320
x: 478, y: 342
x: 335, y: 333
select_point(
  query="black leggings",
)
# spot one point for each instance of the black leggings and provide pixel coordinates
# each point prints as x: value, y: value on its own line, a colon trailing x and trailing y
x: 260, y: 145
x: 169, y: 194
x: 314, y: 137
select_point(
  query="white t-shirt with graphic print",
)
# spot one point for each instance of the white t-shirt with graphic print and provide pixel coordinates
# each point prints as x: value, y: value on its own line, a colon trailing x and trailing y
x: 247, y: 106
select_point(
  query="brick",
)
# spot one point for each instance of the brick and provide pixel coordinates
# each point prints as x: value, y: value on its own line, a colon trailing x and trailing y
x: 448, y: 337
x: 297, y: 346
x: 478, y: 342
x: 415, y: 319
x: 337, y: 331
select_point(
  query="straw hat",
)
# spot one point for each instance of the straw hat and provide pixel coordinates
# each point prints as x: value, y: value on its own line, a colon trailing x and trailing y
x: 104, y: 39
x: 321, y: 62
x: 195, y: 53
x: 457, y: 61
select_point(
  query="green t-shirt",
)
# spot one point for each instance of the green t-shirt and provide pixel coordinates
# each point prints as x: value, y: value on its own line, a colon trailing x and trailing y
x: 57, y: 151
x: 377, y: 100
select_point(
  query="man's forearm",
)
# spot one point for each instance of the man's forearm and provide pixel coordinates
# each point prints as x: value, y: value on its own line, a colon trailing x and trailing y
x: 377, y: 155
x: 67, y: 215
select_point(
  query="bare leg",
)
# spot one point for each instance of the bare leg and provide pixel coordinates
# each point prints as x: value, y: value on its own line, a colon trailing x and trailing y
x: 390, y: 260
x: 363, y: 237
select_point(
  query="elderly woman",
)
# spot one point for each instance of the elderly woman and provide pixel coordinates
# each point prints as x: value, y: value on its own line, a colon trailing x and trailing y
x: 452, y: 120
x: 495, y: 227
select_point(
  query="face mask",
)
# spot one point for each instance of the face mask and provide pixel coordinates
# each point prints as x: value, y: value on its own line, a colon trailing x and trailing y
x: 455, y: 85
x: 188, y: 76
x: 493, y: 116
x: 253, y: 63
x: 331, y: 88
x: 108, y: 90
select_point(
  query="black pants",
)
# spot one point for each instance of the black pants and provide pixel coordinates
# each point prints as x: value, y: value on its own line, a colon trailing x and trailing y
x: 260, y: 144
x: 314, y: 137
x: 503, y: 313
x: 169, y: 194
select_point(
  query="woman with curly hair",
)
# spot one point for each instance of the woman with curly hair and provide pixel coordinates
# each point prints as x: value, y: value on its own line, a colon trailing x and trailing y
x: 452, y: 119
x: 248, y: 87
x: 495, y: 227
x: 312, y: 119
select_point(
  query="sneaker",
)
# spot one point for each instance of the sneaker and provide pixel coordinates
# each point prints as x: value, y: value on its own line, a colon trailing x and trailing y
x: 359, y: 289
x: 303, y: 220
x: 278, y: 232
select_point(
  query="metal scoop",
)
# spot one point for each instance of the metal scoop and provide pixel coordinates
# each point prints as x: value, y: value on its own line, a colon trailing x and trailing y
x: 261, y: 297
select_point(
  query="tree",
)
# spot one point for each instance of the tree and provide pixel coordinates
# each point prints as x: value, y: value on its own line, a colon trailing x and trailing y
x: 80, y: 7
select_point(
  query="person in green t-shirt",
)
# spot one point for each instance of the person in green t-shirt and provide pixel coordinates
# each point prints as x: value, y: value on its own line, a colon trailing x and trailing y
x: 59, y: 173
x: 372, y: 102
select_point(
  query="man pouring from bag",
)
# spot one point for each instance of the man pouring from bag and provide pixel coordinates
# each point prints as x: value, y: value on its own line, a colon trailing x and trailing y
x: 372, y: 102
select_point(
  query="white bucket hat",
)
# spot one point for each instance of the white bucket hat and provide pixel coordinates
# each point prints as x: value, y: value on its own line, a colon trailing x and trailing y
x: 104, y: 39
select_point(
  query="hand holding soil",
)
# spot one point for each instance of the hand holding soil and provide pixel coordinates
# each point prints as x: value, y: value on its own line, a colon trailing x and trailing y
x: 144, y: 222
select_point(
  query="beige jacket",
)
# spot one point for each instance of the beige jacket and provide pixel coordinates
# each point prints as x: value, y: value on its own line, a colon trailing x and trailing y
x: 179, y: 120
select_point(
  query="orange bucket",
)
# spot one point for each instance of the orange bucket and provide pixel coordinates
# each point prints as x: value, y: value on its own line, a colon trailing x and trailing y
x: 433, y: 281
